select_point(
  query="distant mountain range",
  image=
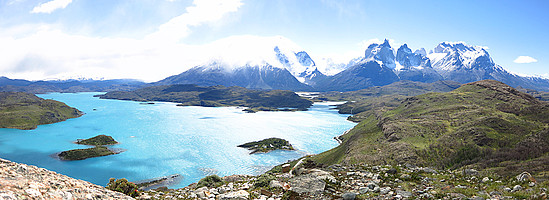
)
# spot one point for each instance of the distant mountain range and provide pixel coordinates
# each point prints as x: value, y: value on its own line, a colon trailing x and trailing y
x: 294, y: 69
x: 19, y: 85
x: 277, y: 63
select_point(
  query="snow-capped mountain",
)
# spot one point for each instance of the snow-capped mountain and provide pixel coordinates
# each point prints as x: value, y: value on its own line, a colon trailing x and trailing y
x: 278, y: 63
x: 415, y: 66
x: 253, y: 77
x: 454, y: 61
x: 382, y: 53
x: 253, y: 62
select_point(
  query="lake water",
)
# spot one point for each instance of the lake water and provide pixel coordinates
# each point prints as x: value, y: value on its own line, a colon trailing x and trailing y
x: 163, y: 139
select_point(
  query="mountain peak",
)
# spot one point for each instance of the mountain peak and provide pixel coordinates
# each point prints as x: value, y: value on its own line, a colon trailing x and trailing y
x: 385, y: 43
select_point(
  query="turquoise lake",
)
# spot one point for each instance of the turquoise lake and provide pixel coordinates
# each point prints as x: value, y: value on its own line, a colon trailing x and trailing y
x: 163, y: 139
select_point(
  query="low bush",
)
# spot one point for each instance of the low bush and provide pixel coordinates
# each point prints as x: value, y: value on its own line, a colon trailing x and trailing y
x: 124, y: 186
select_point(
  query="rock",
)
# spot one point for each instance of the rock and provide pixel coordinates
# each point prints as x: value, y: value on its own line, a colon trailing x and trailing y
x: 371, y: 185
x: 531, y: 184
x: 363, y: 190
x: 286, y: 168
x: 239, y: 195
x: 20, y: 181
x: 485, y: 180
x: 507, y: 189
x: 391, y: 171
x: 234, y: 178
x: 275, y: 184
x: 516, y: 188
x: 477, y: 198
x: 410, y: 166
x: 426, y: 196
x: 470, y: 172
x: 404, y: 194
x: 349, y: 196
x: 461, y: 187
x: 221, y: 190
x: 307, y: 184
x: 428, y: 170
x: 495, y: 193
x: 525, y: 176
x: 384, y: 190
x: 405, y: 176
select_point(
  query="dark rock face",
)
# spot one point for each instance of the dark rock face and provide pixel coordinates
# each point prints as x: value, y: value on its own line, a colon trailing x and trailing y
x: 363, y: 75
x: 381, y: 52
x: 312, y: 78
x: 415, y: 66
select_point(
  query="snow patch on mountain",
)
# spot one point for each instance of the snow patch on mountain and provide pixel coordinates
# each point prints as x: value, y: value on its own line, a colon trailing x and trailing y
x: 247, y: 50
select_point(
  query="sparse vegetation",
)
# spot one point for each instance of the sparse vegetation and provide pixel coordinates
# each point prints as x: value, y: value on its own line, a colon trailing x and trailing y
x: 124, y: 186
x: 210, y: 181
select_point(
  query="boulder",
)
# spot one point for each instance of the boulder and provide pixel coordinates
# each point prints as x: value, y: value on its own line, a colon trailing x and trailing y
x: 308, y: 183
x: 238, y: 195
x: 349, y: 196
x: 286, y: 168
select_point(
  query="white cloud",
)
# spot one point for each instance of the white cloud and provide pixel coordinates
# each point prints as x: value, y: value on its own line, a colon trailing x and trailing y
x: 51, y: 6
x: 525, y: 59
x: 202, y: 11
x: 42, y: 51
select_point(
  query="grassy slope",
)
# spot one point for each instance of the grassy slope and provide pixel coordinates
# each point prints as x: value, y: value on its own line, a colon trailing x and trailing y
x: 486, y: 124
x: 214, y: 96
x: 26, y: 111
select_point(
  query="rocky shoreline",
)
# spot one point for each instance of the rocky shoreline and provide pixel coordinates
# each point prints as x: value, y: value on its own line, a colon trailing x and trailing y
x: 363, y: 182
x: 20, y: 181
x: 288, y: 181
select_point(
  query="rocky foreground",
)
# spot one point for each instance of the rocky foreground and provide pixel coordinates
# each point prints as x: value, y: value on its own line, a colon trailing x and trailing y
x: 20, y: 181
x: 307, y: 181
x: 363, y: 182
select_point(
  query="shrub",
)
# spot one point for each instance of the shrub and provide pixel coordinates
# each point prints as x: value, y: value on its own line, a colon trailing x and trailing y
x: 210, y: 181
x: 264, y: 180
x: 124, y: 186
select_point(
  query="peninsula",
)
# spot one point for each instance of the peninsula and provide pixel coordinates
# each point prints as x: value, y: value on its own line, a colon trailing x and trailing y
x: 216, y: 96
x: 26, y: 111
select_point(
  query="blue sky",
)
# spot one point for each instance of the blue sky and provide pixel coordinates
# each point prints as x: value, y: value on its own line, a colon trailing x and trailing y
x: 152, y: 39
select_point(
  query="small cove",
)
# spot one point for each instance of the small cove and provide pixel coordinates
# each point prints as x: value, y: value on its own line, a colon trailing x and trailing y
x: 162, y: 139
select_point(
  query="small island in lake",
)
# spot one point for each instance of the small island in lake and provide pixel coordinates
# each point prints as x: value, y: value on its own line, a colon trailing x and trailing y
x: 97, y: 151
x: 267, y: 145
x: 97, y: 140
x: 81, y: 154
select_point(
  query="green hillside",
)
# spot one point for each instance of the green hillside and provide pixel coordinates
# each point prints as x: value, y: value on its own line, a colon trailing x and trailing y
x: 485, y: 124
x: 26, y: 111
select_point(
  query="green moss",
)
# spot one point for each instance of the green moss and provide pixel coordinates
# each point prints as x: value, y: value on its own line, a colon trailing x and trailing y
x: 98, y: 140
x: 81, y: 154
